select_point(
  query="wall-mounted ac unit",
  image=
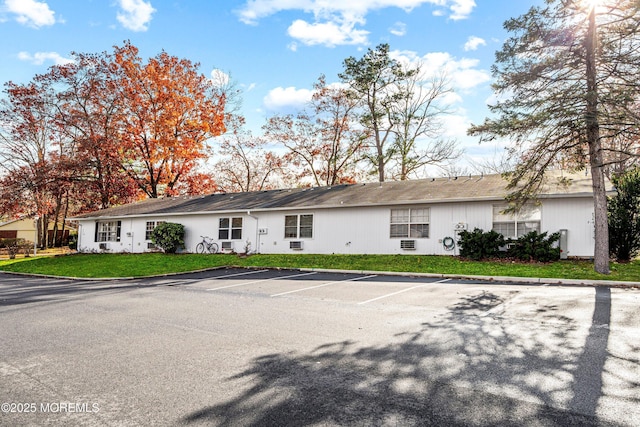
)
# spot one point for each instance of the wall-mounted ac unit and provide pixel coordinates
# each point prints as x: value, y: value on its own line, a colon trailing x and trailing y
x: 226, y: 246
x: 408, y: 245
x: 296, y: 246
x: 103, y: 246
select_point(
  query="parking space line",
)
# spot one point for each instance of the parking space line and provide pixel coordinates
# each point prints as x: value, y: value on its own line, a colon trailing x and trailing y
x: 324, y: 284
x: 263, y: 280
x: 402, y: 291
x: 235, y: 274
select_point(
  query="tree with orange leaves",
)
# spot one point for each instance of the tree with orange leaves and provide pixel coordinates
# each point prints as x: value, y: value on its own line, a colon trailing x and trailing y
x: 88, y: 108
x: 169, y: 111
x: 30, y: 181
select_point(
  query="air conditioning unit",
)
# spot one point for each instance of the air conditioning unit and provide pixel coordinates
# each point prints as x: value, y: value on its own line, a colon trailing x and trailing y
x: 103, y: 246
x: 226, y: 246
x: 408, y: 245
x: 296, y: 246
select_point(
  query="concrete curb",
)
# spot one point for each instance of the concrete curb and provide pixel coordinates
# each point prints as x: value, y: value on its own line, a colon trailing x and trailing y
x: 106, y: 279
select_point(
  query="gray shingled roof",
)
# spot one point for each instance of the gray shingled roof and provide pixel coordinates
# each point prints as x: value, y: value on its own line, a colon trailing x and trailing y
x: 438, y: 190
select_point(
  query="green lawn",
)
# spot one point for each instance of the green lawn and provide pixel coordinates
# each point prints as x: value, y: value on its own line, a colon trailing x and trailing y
x: 136, y: 265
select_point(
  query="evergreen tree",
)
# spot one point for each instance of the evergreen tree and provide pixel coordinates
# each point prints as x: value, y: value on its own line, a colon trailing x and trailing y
x: 624, y: 216
x: 567, y: 87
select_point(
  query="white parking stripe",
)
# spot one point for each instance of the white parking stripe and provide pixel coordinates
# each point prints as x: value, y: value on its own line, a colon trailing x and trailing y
x: 235, y: 274
x: 263, y: 280
x: 324, y: 284
x: 402, y: 291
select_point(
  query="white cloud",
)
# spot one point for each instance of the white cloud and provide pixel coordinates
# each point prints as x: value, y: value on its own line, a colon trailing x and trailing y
x: 40, y: 58
x: 468, y: 78
x: 328, y: 33
x: 461, y: 9
x: 135, y: 14
x: 287, y: 100
x: 398, y: 29
x: 219, y: 78
x: 473, y: 43
x: 455, y: 125
x: 31, y: 12
x: 335, y: 21
x: 463, y: 73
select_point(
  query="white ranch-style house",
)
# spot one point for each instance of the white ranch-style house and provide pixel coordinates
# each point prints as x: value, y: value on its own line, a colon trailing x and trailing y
x: 406, y: 217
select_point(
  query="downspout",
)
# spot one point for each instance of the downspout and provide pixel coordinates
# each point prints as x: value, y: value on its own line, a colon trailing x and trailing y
x: 257, y: 249
x: 80, y: 230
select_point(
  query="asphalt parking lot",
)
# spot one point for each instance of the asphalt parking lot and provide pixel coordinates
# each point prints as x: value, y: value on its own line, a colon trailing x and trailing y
x: 234, y: 347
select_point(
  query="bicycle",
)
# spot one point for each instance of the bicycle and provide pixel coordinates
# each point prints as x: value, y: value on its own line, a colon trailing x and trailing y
x: 207, y: 245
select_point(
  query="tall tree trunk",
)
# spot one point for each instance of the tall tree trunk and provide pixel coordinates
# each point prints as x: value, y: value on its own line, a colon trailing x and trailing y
x: 601, y: 250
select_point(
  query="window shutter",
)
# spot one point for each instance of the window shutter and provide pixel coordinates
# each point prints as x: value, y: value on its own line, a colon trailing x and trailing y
x: 95, y: 236
x: 118, y: 231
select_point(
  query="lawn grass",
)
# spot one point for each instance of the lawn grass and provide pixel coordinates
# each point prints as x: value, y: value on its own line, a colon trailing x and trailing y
x: 137, y: 265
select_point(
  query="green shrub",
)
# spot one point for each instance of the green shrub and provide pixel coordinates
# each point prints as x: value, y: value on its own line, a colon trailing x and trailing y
x: 624, y: 216
x: 169, y: 236
x: 73, y: 241
x: 479, y: 245
x: 535, y: 246
x: 14, y: 246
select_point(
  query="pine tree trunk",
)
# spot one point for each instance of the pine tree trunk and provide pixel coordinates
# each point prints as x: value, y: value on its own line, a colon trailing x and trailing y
x: 601, y: 250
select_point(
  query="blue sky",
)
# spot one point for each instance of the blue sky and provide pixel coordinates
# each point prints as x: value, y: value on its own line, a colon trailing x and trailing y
x: 273, y: 50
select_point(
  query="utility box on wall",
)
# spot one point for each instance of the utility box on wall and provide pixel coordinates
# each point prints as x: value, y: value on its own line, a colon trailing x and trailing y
x: 563, y: 244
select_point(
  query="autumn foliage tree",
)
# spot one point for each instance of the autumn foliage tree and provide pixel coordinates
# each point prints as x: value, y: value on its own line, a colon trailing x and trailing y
x: 326, y: 141
x: 32, y: 183
x: 169, y: 111
x: 245, y: 163
x: 104, y: 130
x: 88, y: 110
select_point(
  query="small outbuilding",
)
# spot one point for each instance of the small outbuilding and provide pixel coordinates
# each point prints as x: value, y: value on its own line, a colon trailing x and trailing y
x: 25, y: 228
x: 396, y: 217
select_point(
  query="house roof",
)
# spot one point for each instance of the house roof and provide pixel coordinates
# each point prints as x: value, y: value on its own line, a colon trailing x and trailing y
x: 425, y: 191
x: 9, y: 222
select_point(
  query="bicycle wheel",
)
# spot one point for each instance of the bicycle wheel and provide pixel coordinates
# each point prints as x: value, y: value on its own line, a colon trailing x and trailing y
x: 200, y: 248
x: 213, y: 248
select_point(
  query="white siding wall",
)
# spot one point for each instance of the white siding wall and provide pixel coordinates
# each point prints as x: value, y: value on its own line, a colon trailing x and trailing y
x: 576, y: 216
x: 353, y: 230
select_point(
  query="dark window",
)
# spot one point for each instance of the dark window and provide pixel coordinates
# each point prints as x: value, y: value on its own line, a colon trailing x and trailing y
x: 407, y: 223
x: 298, y: 226
x: 108, y: 231
x: 230, y: 228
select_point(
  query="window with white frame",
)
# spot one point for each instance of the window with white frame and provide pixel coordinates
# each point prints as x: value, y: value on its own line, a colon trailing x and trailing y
x: 410, y: 223
x: 230, y: 228
x: 108, y: 231
x: 298, y: 226
x: 151, y: 225
x: 514, y: 225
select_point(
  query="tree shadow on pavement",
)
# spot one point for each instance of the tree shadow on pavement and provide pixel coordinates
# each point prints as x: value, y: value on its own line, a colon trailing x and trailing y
x: 467, y: 367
